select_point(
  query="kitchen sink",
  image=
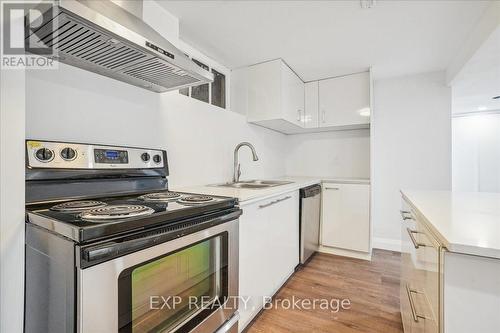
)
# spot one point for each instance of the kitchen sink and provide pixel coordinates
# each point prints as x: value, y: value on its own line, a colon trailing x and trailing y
x: 254, y: 184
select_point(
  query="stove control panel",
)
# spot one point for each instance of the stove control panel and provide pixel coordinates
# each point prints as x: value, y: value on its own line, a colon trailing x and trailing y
x: 67, y: 155
x: 110, y: 156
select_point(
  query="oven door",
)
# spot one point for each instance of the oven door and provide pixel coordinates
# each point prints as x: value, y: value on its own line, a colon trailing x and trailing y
x: 188, y: 284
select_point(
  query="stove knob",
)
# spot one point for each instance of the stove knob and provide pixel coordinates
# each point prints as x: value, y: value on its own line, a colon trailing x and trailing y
x: 44, y: 155
x: 68, y: 154
x: 145, y: 157
x: 157, y: 158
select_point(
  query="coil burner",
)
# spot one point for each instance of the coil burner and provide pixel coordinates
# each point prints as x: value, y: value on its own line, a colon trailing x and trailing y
x: 114, y: 212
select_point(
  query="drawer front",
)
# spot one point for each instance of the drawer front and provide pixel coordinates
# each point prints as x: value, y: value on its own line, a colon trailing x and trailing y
x: 408, y: 270
x: 419, y: 275
x: 428, y: 263
x: 405, y: 308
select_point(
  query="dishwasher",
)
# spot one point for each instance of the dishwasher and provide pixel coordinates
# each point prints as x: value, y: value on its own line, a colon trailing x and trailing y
x: 310, y: 207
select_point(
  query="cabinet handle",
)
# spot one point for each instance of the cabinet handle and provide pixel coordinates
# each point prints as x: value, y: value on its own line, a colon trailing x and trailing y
x: 413, y: 240
x: 332, y: 188
x: 299, y: 111
x: 414, y: 313
x: 274, y: 202
x: 323, y: 115
x: 405, y: 216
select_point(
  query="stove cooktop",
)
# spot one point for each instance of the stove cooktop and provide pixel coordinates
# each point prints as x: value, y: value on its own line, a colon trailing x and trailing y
x: 86, y: 220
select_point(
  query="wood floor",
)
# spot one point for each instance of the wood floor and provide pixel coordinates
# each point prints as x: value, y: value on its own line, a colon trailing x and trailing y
x: 372, y: 288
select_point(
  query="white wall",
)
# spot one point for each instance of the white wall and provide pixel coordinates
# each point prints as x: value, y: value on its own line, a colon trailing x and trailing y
x: 11, y: 199
x: 76, y: 105
x: 411, y: 128
x: 330, y: 154
x: 476, y: 153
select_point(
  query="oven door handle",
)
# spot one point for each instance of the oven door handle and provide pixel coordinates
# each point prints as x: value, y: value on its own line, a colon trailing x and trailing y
x: 230, y: 324
x: 103, y: 252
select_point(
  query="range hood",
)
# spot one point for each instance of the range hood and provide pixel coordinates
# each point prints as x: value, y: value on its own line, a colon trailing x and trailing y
x: 102, y: 36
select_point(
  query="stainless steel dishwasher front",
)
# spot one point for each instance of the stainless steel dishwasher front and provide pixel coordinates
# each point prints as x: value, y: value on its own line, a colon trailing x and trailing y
x: 310, y: 207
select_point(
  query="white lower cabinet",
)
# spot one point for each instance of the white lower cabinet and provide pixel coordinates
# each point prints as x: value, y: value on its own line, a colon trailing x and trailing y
x: 269, y: 250
x: 346, y: 216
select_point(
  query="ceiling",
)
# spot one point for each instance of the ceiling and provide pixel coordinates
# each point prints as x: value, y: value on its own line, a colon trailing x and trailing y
x: 479, y: 81
x: 321, y: 39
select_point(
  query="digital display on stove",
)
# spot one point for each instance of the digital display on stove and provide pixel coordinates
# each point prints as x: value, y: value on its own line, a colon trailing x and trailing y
x: 110, y: 156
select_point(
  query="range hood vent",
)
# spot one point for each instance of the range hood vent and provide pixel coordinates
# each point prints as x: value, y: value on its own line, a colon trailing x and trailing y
x: 102, y: 37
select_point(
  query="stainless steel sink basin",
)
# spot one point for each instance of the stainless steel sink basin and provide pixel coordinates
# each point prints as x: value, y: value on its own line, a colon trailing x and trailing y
x: 254, y: 184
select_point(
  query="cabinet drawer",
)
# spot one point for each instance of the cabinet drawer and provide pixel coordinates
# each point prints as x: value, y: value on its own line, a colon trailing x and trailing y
x: 418, y: 317
x: 428, y: 262
x: 419, y: 275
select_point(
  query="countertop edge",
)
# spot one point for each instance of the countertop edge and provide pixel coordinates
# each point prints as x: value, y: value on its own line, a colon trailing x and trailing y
x: 297, y: 185
x: 248, y: 196
x: 284, y: 189
x: 449, y: 246
x: 428, y: 224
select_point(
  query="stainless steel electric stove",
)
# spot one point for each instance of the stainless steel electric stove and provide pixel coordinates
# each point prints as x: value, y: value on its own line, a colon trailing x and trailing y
x: 107, y: 243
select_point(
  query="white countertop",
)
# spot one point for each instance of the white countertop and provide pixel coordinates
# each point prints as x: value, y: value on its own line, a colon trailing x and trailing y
x: 246, y: 196
x: 463, y: 222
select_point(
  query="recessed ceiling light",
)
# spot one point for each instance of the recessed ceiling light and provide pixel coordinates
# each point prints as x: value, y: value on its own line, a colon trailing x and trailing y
x: 481, y: 108
x: 364, y: 112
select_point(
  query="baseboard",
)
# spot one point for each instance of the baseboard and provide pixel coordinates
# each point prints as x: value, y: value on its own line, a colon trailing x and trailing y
x: 345, y: 253
x: 386, y: 244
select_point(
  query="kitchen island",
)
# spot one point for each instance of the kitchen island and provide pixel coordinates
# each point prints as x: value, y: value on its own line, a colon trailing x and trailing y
x: 450, y: 272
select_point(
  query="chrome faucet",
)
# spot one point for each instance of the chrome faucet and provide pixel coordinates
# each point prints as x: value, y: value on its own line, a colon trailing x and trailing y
x: 237, y: 168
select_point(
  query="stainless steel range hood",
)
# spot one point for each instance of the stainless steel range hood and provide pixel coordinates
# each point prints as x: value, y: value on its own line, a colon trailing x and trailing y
x: 101, y: 36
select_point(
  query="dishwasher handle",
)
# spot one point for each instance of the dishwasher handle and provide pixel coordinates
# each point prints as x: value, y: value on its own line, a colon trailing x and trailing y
x: 310, y: 191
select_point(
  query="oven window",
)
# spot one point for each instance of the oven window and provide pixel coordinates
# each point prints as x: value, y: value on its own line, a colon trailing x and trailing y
x: 174, y: 292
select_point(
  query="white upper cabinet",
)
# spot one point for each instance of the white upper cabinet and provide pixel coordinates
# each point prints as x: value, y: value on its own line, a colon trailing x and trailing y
x: 292, y: 96
x: 311, y: 117
x: 271, y: 95
x: 275, y: 96
x: 345, y: 101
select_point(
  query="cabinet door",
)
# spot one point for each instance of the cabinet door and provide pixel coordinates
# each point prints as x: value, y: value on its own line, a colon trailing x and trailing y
x: 345, y: 100
x: 269, y: 250
x: 263, y: 91
x: 311, y: 119
x: 345, y: 218
x: 284, y: 237
x: 292, y: 95
x: 253, y: 250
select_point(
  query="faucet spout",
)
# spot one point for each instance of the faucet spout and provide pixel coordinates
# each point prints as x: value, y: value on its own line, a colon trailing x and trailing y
x: 237, y: 168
